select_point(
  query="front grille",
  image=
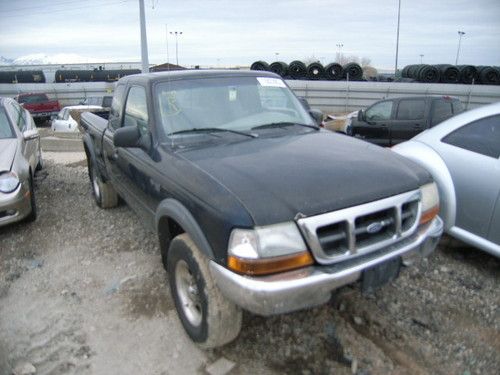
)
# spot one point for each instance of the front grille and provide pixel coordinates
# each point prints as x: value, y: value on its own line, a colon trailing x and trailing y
x: 350, y: 232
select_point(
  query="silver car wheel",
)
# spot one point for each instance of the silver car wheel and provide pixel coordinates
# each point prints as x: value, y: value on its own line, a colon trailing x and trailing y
x: 187, y: 291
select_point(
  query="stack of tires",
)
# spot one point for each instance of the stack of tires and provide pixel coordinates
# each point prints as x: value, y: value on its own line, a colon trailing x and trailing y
x: 313, y: 71
x: 445, y: 73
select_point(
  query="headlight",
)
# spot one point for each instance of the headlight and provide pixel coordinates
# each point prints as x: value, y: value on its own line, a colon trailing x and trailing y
x: 430, y: 202
x: 8, y: 182
x: 265, y: 250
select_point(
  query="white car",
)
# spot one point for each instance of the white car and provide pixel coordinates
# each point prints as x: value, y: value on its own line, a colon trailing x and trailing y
x: 65, y: 123
x: 463, y: 155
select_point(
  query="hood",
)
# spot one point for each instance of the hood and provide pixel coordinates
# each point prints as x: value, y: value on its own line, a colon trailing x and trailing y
x: 8, y: 149
x: 279, y: 177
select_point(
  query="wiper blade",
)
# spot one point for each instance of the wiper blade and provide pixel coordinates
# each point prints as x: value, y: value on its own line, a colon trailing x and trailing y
x: 284, y: 124
x: 212, y: 130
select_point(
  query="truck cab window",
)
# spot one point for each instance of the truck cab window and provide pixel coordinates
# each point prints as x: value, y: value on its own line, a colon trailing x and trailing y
x: 441, y: 110
x: 411, y: 109
x: 116, y: 105
x: 380, y: 111
x: 136, y: 109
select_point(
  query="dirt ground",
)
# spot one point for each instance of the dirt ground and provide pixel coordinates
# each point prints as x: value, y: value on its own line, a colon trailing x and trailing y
x: 83, y: 291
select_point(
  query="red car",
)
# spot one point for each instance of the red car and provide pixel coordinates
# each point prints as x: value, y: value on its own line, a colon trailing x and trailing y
x: 39, y: 105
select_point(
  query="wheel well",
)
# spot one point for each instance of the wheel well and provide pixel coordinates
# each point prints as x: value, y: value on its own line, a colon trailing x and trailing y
x: 168, y: 229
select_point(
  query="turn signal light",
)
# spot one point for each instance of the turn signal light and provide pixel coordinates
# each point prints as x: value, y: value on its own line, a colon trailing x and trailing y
x: 429, y: 215
x: 266, y: 266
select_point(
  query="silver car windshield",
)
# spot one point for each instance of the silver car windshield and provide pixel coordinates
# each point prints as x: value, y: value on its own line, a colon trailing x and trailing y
x: 237, y: 104
x: 5, y: 128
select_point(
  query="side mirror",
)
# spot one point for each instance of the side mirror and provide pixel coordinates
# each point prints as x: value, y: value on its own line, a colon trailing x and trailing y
x: 130, y: 136
x: 317, y: 115
x: 361, y: 115
x: 30, y: 134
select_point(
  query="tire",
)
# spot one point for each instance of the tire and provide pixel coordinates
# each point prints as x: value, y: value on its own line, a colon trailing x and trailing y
x: 209, y: 319
x: 33, y: 214
x: 104, y: 194
x: 39, y: 165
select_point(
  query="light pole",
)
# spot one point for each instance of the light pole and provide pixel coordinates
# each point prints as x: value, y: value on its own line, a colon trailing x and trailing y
x: 176, y: 33
x: 397, y: 39
x: 421, y: 57
x: 460, y: 35
x: 339, y: 46
x: 144, y: 39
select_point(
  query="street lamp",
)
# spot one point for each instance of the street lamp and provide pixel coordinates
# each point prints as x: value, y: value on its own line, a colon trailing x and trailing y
x: 397, y: 39
x: 339, y: 46
x: 277, y: 54
x: 460, y: 35
x: 421, y: 57
x: 176, y: 33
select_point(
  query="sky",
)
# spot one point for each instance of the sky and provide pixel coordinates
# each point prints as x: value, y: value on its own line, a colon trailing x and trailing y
x: 238, y: 32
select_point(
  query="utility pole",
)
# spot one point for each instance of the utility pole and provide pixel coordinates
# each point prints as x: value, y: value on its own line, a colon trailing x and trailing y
x: 397, y: 39
x: 421, y: 58
x: 166, y: 39
x: 176, y: 33
x: 460, y: 35
x: 144, y: 39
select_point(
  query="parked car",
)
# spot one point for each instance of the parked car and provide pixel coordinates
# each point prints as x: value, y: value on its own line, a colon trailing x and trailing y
x: 39, y: 105
x: 101, y: 101
x: 64, y: 122
x: 20, y: 157
x: 463, y: 155
x: 255, y: 206
x: 392, y: 121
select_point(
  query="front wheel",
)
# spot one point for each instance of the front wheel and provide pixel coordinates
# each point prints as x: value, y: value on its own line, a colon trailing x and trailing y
x: 33, y: 213
x: 208, y: 317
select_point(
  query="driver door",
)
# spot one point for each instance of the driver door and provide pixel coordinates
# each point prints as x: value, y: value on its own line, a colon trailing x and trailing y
x: 375, y: 128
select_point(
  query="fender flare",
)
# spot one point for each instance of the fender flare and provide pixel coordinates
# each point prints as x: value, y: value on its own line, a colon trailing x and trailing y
x: 89, y: 146
x: 175, y: 210
x: 428, y: 158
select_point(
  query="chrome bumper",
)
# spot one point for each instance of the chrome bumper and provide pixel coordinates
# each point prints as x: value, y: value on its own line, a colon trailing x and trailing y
x: 15, y: 206
x: 311, y: 286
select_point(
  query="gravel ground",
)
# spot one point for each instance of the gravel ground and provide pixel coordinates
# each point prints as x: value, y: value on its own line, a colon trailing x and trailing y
x: 82, y: 291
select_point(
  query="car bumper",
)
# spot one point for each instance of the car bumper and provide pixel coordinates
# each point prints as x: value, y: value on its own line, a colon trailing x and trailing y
x: 311, y: 286
x: 15, y: 206
x: 44, y: 114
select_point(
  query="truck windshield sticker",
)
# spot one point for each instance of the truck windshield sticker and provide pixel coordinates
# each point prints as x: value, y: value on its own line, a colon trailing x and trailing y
x: 271, y: 82
x: 233, y: 94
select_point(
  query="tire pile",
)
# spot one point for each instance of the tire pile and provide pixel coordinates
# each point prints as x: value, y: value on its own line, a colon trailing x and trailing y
x: 443, y: 73
x: 314, y: 71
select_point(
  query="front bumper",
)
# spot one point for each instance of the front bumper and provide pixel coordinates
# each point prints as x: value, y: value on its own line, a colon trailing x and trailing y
x: 311, y: 286
x: 15, y: 206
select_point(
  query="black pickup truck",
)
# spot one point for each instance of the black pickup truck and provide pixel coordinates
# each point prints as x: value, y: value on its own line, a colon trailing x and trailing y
x: 392, y: 121
x: 254, y: 205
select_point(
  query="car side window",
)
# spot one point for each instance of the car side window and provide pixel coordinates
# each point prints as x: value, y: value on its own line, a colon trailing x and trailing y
x: 441, y: 110
x: 116, y: 106
x: 380, y: 111
x: 481, y: 136
x: 136, y: 109
x: 17, y: 115
x: 411, y: 109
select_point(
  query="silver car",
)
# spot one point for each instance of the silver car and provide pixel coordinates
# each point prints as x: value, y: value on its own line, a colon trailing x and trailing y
x: 20, y: 156
x: 463, y: 156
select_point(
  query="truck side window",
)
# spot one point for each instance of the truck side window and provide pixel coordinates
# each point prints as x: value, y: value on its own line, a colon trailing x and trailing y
x: 136, y: 109
x: 457, y: 106
x: 481, y: 136
x: 411, y: 109
x: 116, y: 106
x: 441, y: 110
x: 380, y: 111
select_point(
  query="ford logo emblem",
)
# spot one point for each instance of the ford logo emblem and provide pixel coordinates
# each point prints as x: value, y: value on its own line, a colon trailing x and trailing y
x: 375, y: 227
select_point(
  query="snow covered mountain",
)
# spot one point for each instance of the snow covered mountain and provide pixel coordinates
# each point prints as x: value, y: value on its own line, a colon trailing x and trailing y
x: 5, y: 61
x: 44, y: 59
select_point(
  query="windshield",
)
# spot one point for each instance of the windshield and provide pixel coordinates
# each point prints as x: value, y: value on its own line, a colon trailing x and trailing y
x: 5, y: 128
x: 230, y: 103
x: 33, y: 98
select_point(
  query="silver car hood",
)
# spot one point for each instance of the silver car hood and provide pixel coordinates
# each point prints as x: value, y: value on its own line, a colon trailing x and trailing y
x: 7, y: 153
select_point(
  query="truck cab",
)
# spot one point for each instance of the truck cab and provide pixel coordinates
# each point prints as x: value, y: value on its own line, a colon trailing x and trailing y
x: 392, y: 121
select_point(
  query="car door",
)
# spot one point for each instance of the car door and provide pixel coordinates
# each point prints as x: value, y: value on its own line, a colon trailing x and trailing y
x: 408, y: 120
x: 132, y: 167
x: 375, y: 128
x: 472, y: 154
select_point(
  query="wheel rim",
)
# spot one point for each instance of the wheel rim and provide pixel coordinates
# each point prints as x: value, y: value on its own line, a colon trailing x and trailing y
x: 187, y: 291
x: 95, y: 186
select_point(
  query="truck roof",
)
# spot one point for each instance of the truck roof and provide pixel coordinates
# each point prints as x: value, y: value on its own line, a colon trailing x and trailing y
x: 195, y: 73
